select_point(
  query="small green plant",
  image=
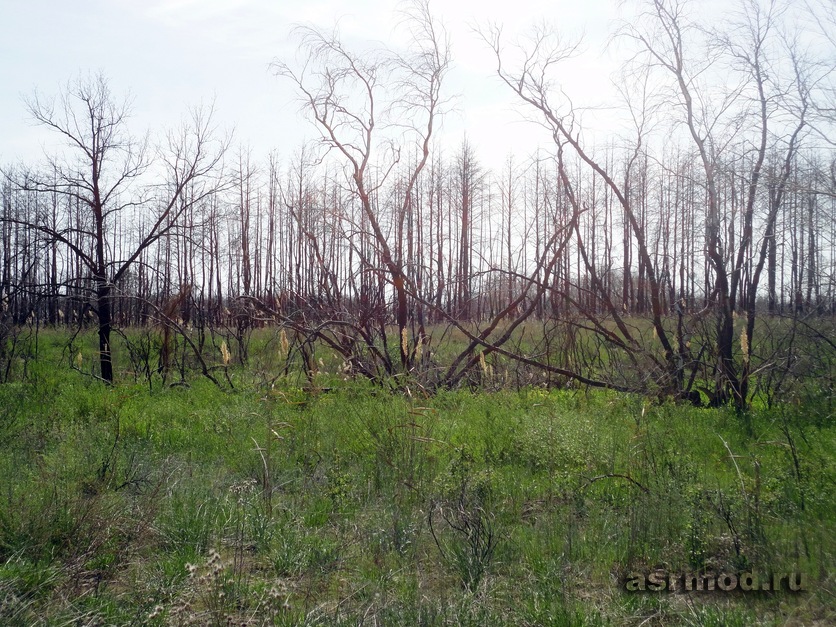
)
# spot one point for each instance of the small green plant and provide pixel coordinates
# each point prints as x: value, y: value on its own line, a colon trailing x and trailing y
x: 697, y: 529
x: 472, y: 549
x: 188, y: 522
x: 472, y: 536
x: 339, y: 483
x: 403, y: 444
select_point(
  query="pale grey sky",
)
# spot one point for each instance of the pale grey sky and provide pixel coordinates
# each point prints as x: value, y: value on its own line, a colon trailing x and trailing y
x: 173, y: 54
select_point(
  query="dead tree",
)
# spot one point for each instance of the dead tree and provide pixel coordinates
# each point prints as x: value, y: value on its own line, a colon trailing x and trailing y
x: 359, y: 101
x: 531, y: 80
x: 103, y: 173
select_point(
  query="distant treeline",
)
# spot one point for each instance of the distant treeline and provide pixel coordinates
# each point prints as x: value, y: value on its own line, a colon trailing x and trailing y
x: 470, y: 241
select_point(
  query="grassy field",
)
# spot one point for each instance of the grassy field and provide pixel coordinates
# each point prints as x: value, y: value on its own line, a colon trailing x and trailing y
x: 283, y: 502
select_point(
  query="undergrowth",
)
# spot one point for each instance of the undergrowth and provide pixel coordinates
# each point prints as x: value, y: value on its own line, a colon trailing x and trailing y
x: 337, y: 503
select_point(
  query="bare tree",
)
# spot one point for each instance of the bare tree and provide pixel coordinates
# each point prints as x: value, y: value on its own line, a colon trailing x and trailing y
x: 714, y: 119
x: 102, y: 172
x: 532, y: 81
x: 359, y: 102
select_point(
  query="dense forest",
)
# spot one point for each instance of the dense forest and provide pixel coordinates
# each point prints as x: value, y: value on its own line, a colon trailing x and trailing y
x: 691, y: 256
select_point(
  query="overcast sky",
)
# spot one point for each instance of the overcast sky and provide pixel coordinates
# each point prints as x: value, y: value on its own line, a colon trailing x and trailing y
x: 173, y: 54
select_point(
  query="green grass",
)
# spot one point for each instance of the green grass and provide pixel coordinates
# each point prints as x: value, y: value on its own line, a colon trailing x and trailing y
x: 341, y: 504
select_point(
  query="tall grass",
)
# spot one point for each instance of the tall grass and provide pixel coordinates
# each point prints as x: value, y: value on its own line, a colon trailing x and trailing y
x: 291, y: 504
